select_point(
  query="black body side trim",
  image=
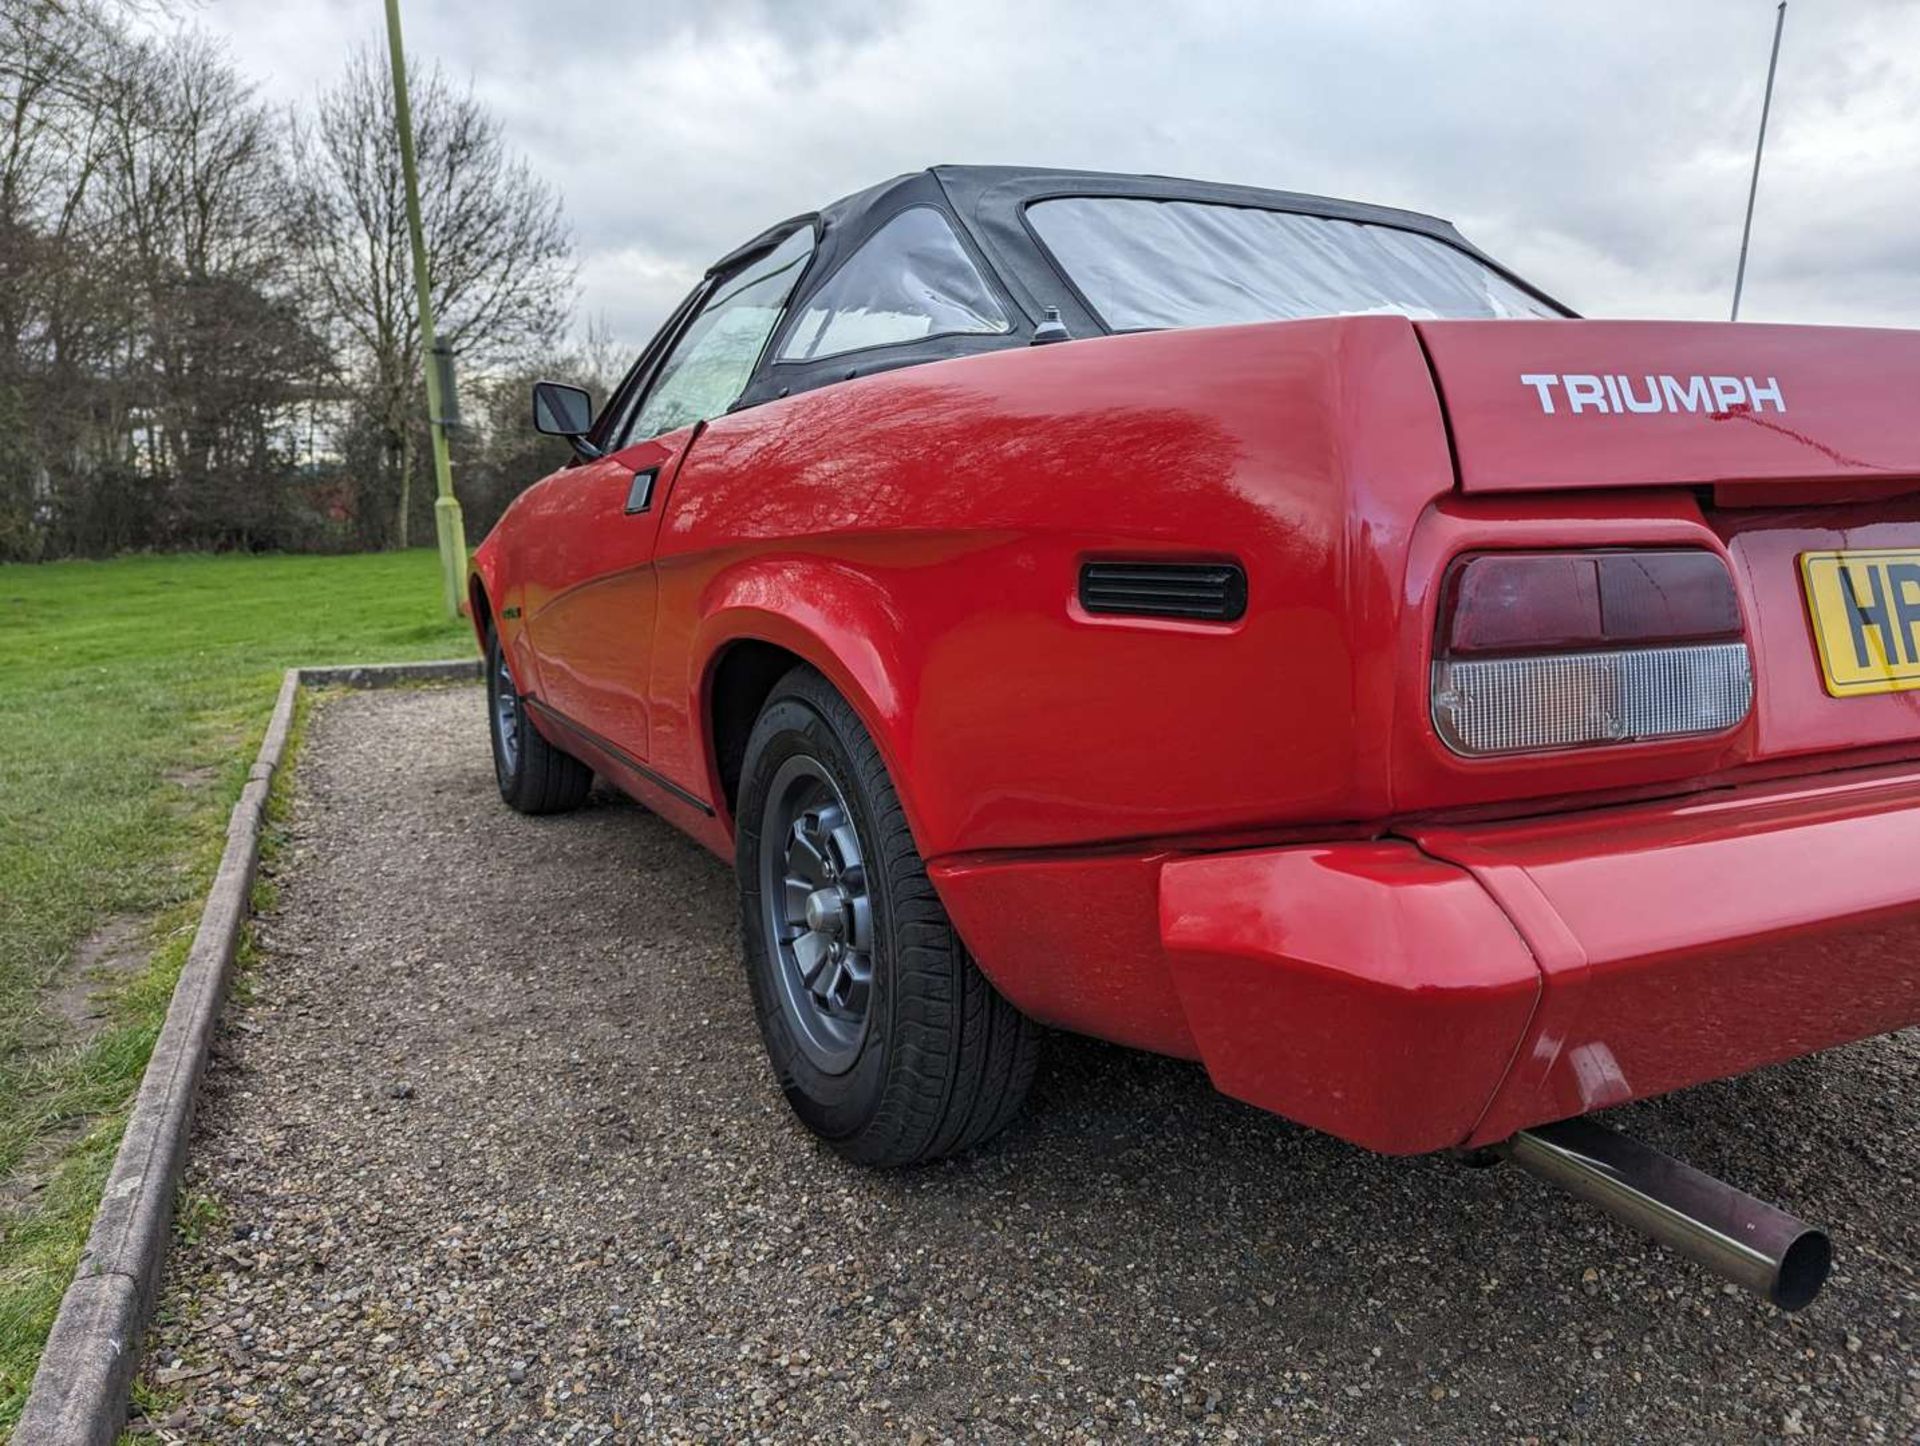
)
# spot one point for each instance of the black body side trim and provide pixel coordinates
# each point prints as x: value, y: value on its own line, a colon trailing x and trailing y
x: 618, y: 755
x: 1208, y: 592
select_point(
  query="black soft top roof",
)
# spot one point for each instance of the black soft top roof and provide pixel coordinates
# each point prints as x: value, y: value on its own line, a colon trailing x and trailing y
x: 989, y: 202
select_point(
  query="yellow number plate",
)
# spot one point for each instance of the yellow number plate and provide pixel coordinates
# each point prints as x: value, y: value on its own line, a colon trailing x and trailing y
x: 1866, y: 618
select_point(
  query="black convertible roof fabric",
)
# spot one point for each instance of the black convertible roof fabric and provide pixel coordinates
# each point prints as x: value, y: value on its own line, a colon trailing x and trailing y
x: 988, y: 205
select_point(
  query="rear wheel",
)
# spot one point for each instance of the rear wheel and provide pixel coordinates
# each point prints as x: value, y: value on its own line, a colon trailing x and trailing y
x: 885, y: 1036
x: 534, y: 776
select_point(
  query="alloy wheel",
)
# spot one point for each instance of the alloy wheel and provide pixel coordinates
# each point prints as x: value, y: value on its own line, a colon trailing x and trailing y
x: 817, y: 911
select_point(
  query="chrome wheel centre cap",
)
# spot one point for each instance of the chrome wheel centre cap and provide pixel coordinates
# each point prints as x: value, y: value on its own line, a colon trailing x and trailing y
x: 827, y: 912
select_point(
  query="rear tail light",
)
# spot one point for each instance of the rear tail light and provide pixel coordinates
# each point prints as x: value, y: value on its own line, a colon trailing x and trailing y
x: 1567, y: 649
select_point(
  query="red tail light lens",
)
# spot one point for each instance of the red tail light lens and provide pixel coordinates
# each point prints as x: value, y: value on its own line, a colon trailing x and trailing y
x: 1533, y: 601
x: 1564, y: 649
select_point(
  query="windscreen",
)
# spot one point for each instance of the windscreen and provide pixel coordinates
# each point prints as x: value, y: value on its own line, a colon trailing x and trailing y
x: 1144, y: 265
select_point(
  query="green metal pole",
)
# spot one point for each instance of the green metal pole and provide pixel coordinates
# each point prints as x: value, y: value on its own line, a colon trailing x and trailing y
x: 447, y: 521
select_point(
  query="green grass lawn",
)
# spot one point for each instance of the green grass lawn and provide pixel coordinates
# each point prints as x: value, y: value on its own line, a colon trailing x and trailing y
x: 133, y: 694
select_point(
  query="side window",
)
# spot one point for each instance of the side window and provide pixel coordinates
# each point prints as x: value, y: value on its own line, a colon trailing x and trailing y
x: 709, y: 365
x: 912, y: 279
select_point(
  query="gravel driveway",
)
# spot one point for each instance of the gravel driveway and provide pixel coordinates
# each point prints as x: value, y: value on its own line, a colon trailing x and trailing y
x: 490, y: 1151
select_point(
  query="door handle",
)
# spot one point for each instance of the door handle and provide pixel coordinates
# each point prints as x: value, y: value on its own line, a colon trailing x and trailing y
x: 640, y: 494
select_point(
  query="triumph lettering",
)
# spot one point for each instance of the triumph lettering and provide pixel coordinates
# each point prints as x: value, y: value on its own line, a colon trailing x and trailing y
x: 1616, y: 392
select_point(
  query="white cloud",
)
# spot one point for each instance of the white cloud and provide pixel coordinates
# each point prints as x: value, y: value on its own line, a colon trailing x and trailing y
x: 1603, y: 151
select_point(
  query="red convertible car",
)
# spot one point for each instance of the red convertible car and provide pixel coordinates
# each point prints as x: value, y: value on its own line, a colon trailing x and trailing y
x: 1253, y: 627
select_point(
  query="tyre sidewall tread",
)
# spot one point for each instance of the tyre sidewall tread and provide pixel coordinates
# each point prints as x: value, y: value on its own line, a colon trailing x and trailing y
x: 946, y: 1061
x: 833, y: 1105
x: 547, y: 779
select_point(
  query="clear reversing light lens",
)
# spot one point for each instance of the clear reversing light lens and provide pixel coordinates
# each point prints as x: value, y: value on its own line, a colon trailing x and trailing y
x: 1566, y: 650
x: 1512, y: 705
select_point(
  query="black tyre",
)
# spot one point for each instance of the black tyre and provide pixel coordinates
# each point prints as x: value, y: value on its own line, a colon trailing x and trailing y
x: 887, y: 1039
x: 534, y: 776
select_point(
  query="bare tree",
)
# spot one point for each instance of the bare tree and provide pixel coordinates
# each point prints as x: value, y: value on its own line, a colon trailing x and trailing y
x: 54, y: 58
x: 193, y: 170
x: 208, y: 333
x: 151, y: 344
x: 499, y: 255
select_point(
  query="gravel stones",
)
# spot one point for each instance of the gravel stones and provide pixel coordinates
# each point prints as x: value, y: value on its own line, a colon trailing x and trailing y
x: 590, y: 1218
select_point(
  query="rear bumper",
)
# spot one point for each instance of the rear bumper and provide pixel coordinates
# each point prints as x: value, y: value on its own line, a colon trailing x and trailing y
x: 1457, y: 984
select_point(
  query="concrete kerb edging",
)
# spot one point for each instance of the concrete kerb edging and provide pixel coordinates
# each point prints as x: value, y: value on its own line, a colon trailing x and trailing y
x: 81, y: 1388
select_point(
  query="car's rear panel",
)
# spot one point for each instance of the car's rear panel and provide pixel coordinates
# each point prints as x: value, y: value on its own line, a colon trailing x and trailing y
x: 1518, y: 938
x: 1694, y: 906
x: 1765, y: 443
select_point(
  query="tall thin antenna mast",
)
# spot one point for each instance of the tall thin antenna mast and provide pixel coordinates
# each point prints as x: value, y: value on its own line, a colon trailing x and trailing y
x: 1753, y: 187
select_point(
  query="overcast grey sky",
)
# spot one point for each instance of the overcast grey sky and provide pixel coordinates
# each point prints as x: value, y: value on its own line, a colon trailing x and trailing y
x: 1601, y: 150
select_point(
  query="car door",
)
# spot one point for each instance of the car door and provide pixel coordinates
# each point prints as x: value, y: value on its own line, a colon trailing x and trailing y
x: 588, y: 573
x: 593, y: 628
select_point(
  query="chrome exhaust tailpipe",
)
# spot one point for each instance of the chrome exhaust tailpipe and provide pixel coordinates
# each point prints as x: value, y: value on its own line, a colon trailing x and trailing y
x: 1745, y: 1240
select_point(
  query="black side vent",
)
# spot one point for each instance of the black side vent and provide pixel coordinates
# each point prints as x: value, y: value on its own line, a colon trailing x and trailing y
x: 1213, y: 592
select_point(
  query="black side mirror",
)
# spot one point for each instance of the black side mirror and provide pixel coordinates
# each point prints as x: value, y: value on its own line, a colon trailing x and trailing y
x: 563, y: 411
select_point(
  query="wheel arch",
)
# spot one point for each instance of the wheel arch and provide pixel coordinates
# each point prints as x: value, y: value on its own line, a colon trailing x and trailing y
x: 830, y: 618
x: 479, y: 608
x: 492, y: 607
